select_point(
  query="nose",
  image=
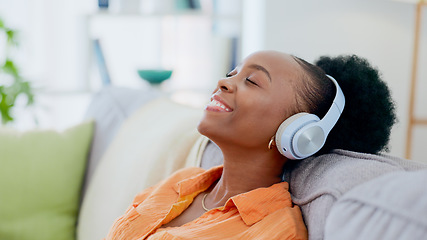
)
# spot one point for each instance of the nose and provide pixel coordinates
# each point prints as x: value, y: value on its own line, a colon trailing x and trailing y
x: 226, y: 85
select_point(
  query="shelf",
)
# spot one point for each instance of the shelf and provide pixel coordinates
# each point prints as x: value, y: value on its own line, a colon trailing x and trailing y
x: 413, y: 121
x: 181, y: 13
x: 192, y: 42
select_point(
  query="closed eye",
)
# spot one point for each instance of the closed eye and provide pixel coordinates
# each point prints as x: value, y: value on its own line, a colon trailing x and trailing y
x: 251, y: 82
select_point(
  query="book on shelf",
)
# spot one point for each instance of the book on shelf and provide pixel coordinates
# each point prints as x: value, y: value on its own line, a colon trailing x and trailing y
x: 100, y: 60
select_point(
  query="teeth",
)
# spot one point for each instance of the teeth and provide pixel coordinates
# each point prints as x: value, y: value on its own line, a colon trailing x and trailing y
x: 218, y: 104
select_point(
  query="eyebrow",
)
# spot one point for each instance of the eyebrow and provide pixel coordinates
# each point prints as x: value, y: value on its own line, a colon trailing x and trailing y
x: 261, y: 68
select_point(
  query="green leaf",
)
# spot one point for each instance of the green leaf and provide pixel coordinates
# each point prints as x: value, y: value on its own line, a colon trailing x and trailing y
x: 5, y: 109
x: 9, y: 94
x: 10, y: 68
x: 11, y: 37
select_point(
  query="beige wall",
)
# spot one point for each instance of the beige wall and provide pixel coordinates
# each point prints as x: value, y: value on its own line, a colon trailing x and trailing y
x: 379, y: 30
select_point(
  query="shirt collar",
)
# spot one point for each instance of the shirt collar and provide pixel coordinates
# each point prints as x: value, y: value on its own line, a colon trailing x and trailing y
x: 253, y: 206
x: 198, y: 183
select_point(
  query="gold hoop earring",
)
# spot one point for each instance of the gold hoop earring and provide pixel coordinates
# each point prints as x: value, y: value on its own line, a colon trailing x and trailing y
x: 271, y: 143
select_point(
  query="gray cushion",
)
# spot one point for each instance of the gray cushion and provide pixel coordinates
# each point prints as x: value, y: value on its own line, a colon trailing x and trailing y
x: 212, y: 156
x: 109, y: 108
x: 317, y: 183
x: 390, y: 207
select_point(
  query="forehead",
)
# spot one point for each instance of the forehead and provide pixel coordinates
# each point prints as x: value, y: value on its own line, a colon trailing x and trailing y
x: 285, y: 76
x: 278, y: 64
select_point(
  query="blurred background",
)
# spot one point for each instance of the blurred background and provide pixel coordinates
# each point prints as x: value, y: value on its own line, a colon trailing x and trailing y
x: 69, y: 50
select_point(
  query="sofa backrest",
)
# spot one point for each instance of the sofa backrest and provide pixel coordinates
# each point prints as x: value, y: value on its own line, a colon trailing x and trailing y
x: 149, y: 146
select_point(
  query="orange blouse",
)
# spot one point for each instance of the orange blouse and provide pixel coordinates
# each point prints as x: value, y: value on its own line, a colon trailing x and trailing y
x: 263, y: 213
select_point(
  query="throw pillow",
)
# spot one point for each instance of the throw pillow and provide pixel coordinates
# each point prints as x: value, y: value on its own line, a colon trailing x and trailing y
x: 41, y: 174
x: 391, y: 207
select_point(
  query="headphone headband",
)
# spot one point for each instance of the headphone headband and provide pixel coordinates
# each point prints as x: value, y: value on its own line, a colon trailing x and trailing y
x: 334, y: 112
x: 304, y: 134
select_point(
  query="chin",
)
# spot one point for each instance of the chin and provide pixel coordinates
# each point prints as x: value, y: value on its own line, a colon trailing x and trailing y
x: 214, y: 129
x: 208, y: 130
x: 202, y: 128
x: 205, y: 125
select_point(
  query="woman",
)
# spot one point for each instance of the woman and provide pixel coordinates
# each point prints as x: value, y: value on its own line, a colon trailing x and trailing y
x: 245, y: 198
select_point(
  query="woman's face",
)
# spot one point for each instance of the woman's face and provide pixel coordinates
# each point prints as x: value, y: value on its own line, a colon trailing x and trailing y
x: 248, y: 105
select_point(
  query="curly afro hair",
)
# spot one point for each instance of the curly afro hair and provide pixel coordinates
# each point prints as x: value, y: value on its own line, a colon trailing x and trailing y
x: 369, y: 113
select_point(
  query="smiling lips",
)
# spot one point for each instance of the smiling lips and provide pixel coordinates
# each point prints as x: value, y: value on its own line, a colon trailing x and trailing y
x: 216, y: 105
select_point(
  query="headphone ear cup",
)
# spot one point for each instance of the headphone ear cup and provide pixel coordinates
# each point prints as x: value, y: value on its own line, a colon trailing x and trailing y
x: 287, y: 130
x: 282, y: 137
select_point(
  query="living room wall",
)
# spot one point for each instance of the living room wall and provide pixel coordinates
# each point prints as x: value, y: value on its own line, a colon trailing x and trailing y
x: 379, y: 30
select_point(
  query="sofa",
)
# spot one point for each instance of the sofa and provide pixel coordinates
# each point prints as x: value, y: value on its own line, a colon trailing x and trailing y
x: 135, y: 138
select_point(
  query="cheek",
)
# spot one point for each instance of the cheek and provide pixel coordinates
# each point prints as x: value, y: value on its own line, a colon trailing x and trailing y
x: 263, y: 119
x: 277, y: 112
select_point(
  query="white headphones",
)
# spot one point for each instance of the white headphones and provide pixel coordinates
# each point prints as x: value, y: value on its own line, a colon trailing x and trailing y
x: 304, y: 134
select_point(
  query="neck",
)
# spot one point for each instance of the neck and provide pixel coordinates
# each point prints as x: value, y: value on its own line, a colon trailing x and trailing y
x: 246, y: 169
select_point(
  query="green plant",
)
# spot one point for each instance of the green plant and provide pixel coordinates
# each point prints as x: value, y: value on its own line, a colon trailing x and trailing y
x: 12, y: 83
